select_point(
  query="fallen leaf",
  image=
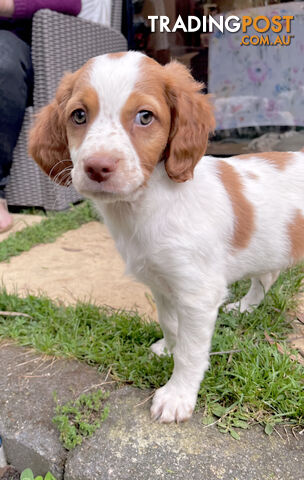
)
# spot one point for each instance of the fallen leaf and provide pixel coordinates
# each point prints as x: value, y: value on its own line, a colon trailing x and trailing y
x: 294, y: 358
x: 300, y: 317
x: 268, y: 338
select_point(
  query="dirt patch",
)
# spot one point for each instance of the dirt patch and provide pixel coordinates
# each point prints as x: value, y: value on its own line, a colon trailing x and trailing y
x: 82, y: 264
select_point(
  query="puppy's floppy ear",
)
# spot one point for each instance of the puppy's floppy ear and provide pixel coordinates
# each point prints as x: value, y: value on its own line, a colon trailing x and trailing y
x: 192, y: 120
x: 48, y: 144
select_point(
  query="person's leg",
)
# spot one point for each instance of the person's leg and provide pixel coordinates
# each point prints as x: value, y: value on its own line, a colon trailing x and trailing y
x: 16, y: 79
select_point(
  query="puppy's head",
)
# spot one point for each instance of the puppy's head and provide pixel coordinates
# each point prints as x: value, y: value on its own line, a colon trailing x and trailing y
x: 114, y: 119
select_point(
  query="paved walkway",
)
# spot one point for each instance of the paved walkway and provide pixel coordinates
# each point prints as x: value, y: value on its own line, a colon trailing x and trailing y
x: 82, y: 264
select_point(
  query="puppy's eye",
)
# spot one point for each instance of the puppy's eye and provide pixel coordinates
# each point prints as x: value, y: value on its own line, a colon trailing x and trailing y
x: 79, y: 116
x: 144, y: 117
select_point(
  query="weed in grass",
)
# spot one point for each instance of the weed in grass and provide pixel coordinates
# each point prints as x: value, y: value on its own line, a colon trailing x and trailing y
x: 27, y: 474
x: 80, y: 418
x: 255, y: 384
x: 48, y: 230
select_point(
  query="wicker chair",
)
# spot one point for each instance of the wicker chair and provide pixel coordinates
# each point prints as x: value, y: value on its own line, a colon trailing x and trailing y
x: 60, y: 43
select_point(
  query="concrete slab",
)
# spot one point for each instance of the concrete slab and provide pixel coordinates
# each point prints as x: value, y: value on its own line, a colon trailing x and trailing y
x: 131, y: 446
x: 27, y: 383
x: 82, y: 264
x: 128, y: 445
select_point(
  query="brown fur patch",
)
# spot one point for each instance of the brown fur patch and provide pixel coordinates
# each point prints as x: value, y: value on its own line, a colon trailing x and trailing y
x: 149, y: 141
x: 192, y: 120
x: 243, y: 209
x: 116, y: 55
x: 149, y: 94
x: 86, y: 98
x: 48, y: 142
x: 252, y: 176
x: 296, y: 235
x: 183, y: 119
x: 279, y: 160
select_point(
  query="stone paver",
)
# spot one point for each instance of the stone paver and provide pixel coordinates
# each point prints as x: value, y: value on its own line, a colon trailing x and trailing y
x: 27, y: 384
x: 131, y: 446
x: 128, y: 445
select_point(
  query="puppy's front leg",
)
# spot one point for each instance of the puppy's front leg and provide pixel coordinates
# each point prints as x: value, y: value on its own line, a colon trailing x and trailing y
x: 167, y: 318
x: 197, y: 314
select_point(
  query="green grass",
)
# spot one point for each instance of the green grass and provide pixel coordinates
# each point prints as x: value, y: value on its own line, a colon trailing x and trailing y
x: 255, y: 384
x: 48, y: 230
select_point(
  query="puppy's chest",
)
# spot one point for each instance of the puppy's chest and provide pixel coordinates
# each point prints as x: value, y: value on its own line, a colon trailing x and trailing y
x: 142, y: 258
x: 138, y: 240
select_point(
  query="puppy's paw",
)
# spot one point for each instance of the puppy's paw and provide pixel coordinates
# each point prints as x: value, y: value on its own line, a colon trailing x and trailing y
x: 172, y: 405
x: 160, y: 348
x: 241, y: 306
x: 231, y: 306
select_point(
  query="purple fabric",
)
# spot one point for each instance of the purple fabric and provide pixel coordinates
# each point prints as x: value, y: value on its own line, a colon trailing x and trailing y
x: 26, y: 8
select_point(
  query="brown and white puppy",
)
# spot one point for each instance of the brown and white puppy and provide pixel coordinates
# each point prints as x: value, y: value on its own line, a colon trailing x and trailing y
x: 129, y: 133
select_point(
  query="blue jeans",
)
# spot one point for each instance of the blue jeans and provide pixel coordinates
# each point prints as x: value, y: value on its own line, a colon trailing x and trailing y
x: 16, y: 83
